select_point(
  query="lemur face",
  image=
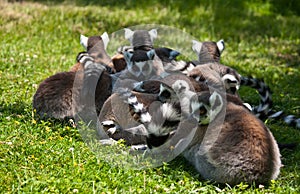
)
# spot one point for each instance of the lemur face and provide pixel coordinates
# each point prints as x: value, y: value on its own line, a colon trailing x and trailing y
x: 207, y: 107
x: 140, y: 64
x: 166, y: 93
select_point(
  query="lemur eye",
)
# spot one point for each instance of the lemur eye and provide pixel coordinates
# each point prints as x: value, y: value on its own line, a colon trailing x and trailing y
x: 165, y: 94
x: 194, y: 76
x: 202, y: 110
x: 198, y: 78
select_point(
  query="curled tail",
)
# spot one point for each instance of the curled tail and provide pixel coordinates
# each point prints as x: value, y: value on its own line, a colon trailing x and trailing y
x: 138, y: 108
x: 83, y: 57
x: 291, y: 120
x: 159, y: 125
x: 265, y: 105
x: 263, y: 111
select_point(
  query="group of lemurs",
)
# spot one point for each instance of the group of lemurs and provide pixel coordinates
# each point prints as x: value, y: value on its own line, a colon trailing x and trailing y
x: 145, y: 96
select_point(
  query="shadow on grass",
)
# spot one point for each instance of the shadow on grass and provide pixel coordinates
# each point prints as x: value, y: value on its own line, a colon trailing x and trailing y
x: 233, y: 19
x: 17, y: 108
x: 280, y: 6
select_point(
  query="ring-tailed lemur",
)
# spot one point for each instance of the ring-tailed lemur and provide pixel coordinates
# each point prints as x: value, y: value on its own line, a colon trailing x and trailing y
x: 53, y: 98
x: 243, y: 149
x: 143, y: 105
x: 211, y: 52
x: 142, y: 40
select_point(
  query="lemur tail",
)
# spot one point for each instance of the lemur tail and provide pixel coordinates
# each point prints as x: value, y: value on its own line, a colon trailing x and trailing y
x: 83, y: 57
x: 138, y: 108
x: 265, y: 105
x: 291, y: 120
x: 263, y: 110
x: 158, y: 126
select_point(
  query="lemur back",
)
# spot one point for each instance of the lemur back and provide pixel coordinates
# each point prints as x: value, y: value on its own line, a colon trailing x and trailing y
x: 53, y: 98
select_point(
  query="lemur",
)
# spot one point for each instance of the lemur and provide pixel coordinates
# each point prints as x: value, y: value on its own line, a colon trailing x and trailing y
x: 53, y: 98
x: 142, y: 40
x: 142, y: 62
x: 210, y: 52
x: 230, y: 144
x: 243, y: 148
x: 141, y: 66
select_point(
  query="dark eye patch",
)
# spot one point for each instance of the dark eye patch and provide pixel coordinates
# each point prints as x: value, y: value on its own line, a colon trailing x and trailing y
x: 166, y: 94
x: 202, y: 111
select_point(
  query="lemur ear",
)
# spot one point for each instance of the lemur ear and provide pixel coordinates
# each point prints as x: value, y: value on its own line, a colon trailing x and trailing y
x: 105, y: 39
x: 151, y: 54
x: 196, y: 46
x: 84, y: 41
x: 221, y: 45
x: 153, y: 34
x: 216, y: 104
x: 128, y: 33
x: 127, y: 56
x: 215, y: 98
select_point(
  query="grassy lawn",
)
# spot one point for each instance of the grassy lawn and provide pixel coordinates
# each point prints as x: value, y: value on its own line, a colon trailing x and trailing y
x: 41, y: 38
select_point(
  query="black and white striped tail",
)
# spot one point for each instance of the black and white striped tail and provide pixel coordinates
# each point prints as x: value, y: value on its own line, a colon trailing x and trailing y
x: 263, y: 110
x: 138, y: 107
x: 160, y: 125
x: 83, y: 57
x: 291, y: 120
x: 92, y: 73
x: 265, y: 105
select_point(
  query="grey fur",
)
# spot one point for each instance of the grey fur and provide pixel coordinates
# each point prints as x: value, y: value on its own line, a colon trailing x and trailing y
x: 244, y: 150
x: 58, y: 96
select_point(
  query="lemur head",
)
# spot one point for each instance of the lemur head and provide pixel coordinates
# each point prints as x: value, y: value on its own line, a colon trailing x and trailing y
x: 166, y: 94
x: 170, y: 91
x: 206, y: 107
x: 208, y: 51
x: 141, y: 38
x: 140, y: 64
x: 96, y: 47
x: 217, y: 76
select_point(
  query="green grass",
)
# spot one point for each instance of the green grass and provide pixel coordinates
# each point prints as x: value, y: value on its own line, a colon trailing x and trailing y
x: 41, y: 38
